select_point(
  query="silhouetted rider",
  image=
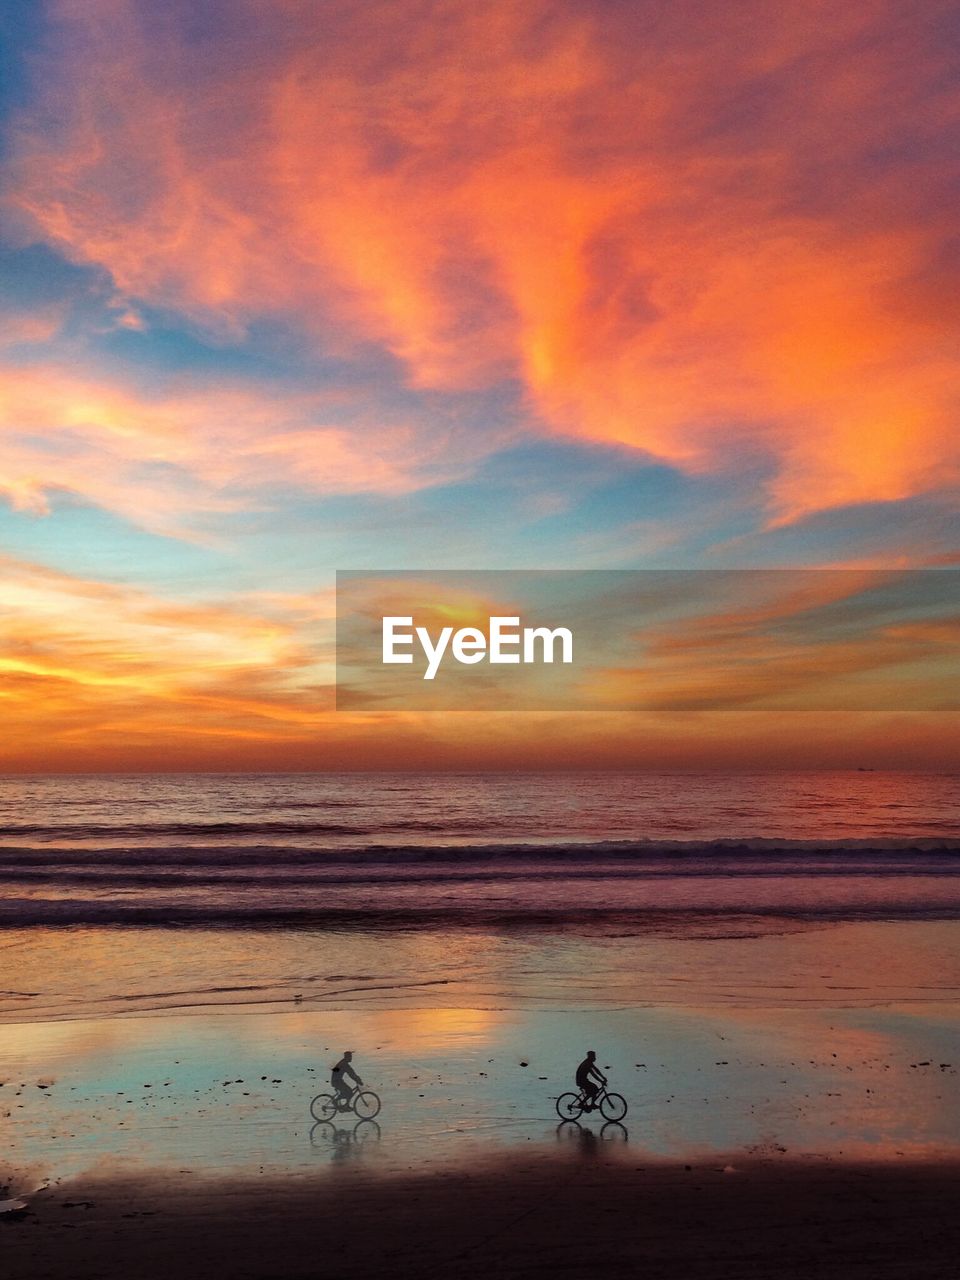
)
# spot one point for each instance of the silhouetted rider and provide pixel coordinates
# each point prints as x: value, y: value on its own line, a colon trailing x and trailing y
x: 587, y: 1072
x: 338, y: 1078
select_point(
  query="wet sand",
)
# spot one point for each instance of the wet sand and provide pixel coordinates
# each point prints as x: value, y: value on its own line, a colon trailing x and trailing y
x: 228, y: 1095
x: 800, y: 1120
x: 556, y: 1215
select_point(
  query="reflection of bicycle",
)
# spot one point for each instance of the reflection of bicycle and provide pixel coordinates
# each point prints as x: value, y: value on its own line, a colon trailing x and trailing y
x: 325, y: 1134
x: 572, y: 1131
x: 570, y: 1106
x: 364, y: 1102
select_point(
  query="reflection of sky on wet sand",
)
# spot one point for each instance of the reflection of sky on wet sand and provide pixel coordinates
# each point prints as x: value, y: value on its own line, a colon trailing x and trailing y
x: 233, y: 1092
x: 727, y: 1039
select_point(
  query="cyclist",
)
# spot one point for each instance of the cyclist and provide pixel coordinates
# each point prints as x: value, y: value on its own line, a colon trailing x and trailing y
x: 338, y: 1079
x: 587, y: 1072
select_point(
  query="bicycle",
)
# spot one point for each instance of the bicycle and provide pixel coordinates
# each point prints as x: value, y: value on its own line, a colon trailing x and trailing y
x: 612, y: 1106
x: 363, y: 1102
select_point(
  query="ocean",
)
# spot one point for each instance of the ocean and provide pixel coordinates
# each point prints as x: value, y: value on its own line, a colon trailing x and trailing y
x: 296, y: 849
x: 194, y: 893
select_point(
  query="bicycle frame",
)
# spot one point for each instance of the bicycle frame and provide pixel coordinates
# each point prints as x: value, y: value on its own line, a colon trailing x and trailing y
x: 345, y: 1103
x: 597, y: 1097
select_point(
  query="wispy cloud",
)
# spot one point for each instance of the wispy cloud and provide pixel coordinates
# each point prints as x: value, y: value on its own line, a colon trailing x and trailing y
x: 703, y: 234
x: 167, y: 461
x: 91, y: 663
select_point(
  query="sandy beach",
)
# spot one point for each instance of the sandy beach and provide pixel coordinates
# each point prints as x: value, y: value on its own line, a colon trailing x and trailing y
x: 782, y: 1022
x: 573, y: 1215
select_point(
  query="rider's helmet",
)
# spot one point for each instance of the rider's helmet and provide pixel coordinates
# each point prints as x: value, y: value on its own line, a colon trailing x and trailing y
x: 591, y: 1054
x: 348, y: 1054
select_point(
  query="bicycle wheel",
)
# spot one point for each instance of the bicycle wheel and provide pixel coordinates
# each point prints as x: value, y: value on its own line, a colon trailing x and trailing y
x: 366, y: 1104
x: 323, y: 1107
x: 569, y: 1106
x: 612, y: 1106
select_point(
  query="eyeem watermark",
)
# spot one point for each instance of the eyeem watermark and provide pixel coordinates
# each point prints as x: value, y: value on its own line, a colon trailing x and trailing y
x: 654, y: 640
x: 504, y: 642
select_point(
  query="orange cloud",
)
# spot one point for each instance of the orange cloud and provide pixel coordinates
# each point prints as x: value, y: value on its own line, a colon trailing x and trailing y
x: 88, y: 664
x: 714, y: 232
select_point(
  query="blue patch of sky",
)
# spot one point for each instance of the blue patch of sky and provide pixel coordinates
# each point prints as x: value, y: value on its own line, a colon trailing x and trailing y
x: 87, y: 542
x: 34, y: 274
x: 266, y: 349
x: 542, y: 505
x: 550, y: 504
x: 909, y: 531
x: 22, y: 27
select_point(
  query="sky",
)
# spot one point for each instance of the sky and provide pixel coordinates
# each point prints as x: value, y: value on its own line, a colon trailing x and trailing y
x: 293, y: 287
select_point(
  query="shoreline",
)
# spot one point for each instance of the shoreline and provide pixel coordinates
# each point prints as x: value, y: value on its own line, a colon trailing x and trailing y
x: 716, y: 962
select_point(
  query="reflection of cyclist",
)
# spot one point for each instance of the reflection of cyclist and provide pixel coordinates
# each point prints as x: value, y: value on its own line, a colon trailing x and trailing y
x: 587, y: 1069
x: 338, y: 1078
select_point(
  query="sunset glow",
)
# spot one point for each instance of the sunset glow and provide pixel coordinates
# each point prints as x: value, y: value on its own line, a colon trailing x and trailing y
x: 517, y: 285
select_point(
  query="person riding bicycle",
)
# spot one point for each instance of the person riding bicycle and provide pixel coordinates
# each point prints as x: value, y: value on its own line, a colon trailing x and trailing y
x: 587, y: 1072
x: 338, y: 1079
